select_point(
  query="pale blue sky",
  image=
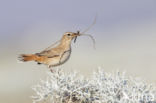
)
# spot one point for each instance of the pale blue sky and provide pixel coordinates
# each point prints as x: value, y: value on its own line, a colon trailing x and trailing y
x: 18, y: 15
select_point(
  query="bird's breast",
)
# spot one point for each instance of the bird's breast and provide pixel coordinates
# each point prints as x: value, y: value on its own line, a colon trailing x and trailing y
x: 65, y: 56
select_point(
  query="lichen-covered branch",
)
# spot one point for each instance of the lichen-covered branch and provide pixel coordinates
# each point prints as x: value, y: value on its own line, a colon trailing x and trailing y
x: 101, y: 88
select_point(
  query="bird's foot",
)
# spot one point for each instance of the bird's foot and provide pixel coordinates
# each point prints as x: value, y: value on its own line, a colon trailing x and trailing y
x: 51, y: 70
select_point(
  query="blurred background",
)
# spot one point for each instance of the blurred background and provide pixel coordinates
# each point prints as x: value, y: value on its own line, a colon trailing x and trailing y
x: 125, y: 34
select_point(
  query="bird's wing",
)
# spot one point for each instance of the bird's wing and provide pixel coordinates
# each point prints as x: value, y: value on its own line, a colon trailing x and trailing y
x: 51, y: 51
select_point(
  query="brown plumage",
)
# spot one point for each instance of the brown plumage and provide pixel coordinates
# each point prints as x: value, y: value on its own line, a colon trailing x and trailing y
x: 28, y: 57
x: 53, y: 56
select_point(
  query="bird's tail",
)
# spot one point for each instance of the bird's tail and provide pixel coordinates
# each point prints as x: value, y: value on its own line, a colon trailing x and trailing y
x: 28, y: 57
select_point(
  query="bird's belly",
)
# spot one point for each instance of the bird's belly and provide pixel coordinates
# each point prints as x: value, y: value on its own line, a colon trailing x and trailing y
x: 53, y: 61
x: 65, y: 57
x: 60, y: 60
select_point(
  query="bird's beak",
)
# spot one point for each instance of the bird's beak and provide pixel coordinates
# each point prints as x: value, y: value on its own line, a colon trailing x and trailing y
x: 75, y: 36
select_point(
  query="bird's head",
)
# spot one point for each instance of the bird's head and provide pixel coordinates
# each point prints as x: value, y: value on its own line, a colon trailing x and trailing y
x: 69, y: 36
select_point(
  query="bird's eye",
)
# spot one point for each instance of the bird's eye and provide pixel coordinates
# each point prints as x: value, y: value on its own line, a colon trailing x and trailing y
x: 68, y: 34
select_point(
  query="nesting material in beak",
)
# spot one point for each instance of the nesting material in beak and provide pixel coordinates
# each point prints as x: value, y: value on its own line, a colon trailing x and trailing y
x: 92, y: 38
x: 82, y: 34
x: 77, y: 34
x: 75, y: 39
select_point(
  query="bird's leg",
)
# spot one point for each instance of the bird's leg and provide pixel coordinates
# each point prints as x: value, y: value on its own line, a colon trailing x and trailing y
x: 51, y: 70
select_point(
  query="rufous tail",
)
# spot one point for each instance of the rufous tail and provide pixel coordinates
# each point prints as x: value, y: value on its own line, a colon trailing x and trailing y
x: 28, y: 57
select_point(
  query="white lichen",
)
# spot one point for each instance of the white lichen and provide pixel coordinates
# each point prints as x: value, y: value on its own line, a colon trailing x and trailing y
x: 100, y: 88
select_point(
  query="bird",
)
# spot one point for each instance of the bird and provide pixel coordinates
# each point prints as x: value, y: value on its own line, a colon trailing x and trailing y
x: 58, y: 55
x: 55, y: 56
